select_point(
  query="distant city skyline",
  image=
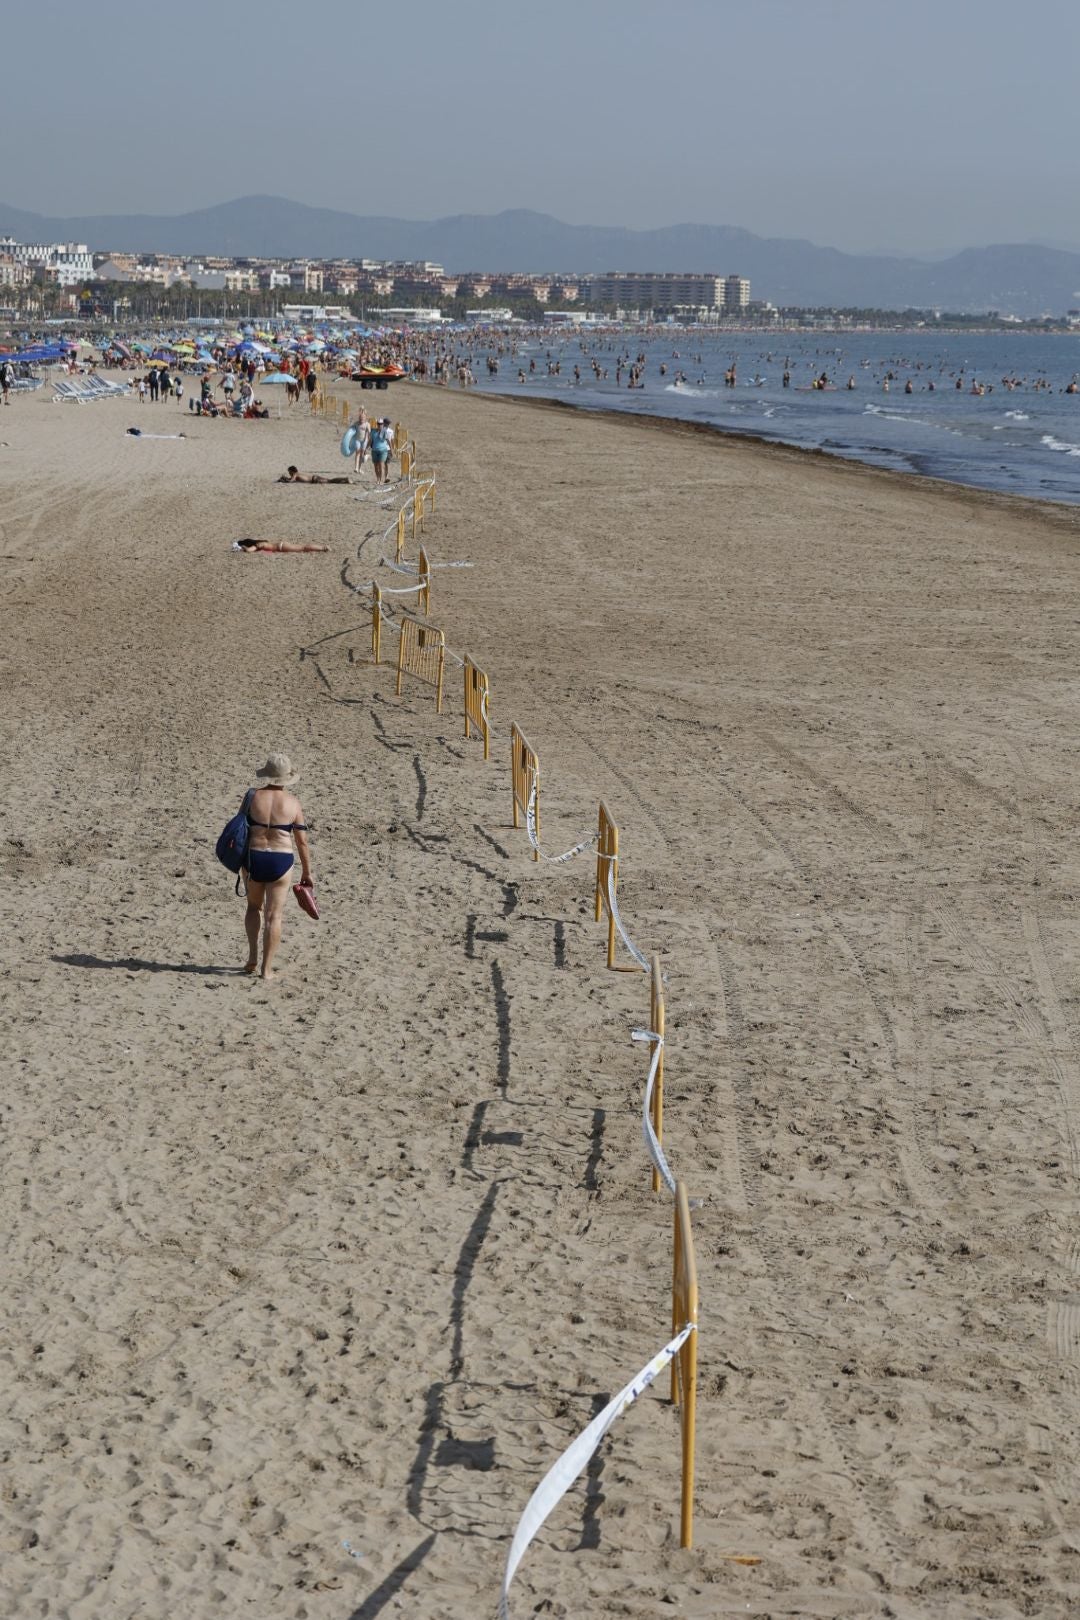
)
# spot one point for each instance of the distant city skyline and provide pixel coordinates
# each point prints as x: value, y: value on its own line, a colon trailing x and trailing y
x: 920, y: 129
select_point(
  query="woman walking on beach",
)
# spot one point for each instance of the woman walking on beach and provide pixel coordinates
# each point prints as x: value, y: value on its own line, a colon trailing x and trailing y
x: 360, y: 443
x: 380, y: 453
x: 275, y: 820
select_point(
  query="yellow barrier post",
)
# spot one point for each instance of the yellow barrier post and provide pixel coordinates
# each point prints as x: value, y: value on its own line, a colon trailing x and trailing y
x: 400, y: 541
x: 656, y: 1025
x: 406, y: 463
x: 422, y: 652
x: 477, y: 704
x: 525, y: 780
x: 376, y: 622
x: 607, y: 860
x: 345, y: 413
x: 417, y: 513
x: 684, y: 1309
x: 423, y: 569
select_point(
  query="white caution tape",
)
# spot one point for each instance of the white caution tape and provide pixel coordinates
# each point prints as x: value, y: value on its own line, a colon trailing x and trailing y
x: 411, y: 567
x: 652, y: 1145
x: 586, y: 842
x: 558, y: 1480
x: 401, y: 590
x: 639, y: 958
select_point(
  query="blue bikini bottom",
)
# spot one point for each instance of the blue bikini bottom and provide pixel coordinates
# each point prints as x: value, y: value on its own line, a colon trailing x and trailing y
x: 267, y: 865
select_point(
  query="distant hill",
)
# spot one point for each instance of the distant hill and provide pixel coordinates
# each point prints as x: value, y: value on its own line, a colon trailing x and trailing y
x: 1023, y: 279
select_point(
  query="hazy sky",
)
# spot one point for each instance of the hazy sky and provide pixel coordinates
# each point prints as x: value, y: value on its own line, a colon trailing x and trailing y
x: 917, y: 125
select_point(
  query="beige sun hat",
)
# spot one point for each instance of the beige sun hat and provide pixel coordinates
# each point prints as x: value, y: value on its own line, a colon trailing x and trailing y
x: 278, y: 771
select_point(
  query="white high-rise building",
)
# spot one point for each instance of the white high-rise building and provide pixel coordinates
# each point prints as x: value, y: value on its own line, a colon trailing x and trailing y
x: 71, y: 262
x: 736, y: 292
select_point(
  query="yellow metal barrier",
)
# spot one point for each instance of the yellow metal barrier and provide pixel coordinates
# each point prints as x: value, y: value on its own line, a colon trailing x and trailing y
x: 417, y: 513
x: 422, y: 652
x: 684, y: 1309
x: 656, y: 1025
x: 376, y: 623
x: 525, y: 778
x: 477, y: 700
x: 423, y: 570
x: 607, y: 860
x: 406, y: 463
x: 346, y: 412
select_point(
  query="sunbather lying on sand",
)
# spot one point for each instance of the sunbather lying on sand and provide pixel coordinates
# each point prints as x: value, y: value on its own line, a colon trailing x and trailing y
x: 273, y: 545
x: 294, y: 477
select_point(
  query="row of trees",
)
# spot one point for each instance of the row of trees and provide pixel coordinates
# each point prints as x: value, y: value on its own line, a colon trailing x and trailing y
x: 124, y: 302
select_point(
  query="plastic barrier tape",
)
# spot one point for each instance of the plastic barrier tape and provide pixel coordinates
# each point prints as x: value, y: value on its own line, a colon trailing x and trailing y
x: 652, y: 1146
x: 553, y: 860
x: 558, y: 1480
x: 641, y: 960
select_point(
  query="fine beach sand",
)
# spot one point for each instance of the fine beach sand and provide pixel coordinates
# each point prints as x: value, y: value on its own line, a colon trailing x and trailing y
x: 351, y: 1257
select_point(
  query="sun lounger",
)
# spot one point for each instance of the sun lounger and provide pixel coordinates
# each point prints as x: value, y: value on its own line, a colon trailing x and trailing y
x: 81, y: 390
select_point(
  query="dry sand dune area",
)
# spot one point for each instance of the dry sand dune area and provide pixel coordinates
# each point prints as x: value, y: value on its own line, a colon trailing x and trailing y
x: 308, y: 1283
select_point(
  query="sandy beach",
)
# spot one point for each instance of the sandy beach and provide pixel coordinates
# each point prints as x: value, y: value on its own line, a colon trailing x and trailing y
x: 352, y: 1256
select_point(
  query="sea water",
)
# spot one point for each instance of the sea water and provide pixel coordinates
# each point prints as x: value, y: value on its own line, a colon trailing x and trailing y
x: 1023, y: 439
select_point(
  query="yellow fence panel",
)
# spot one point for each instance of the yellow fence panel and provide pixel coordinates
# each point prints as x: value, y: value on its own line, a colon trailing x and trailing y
x: 525, y: 777
x: 423, y: 569
x: 422, y: 652
x: 684, y: 1309
x: 477, y: 704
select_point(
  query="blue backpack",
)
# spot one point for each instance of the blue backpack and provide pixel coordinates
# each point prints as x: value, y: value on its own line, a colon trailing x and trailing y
x: 231, y: 847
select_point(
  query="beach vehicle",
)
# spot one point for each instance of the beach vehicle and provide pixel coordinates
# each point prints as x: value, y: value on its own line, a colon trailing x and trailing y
x: 378, y: 376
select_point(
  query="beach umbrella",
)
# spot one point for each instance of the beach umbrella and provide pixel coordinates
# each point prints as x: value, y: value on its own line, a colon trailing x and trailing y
x: 276, y: 377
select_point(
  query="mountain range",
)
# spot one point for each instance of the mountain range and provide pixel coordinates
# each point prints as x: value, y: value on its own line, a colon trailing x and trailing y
x: 1025, y: 279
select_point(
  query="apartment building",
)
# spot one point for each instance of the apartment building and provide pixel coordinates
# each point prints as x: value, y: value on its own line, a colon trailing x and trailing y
x: 736, y: 293
x: 669, y: 290
x: 12, y: 273
x: 63, y: 262
x: 665, y: 290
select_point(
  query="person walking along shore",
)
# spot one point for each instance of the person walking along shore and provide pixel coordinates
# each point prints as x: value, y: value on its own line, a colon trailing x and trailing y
x: 275, y: 821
